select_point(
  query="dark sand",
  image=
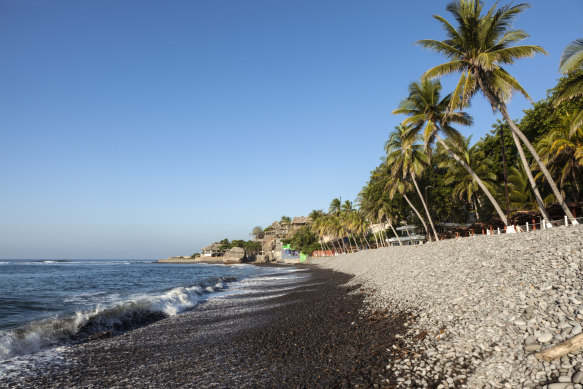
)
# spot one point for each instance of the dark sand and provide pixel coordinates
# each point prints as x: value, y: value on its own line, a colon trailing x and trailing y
x: 314, y: 336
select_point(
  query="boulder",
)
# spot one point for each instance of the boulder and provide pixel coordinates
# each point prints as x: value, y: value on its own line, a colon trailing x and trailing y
x: 234, y: 255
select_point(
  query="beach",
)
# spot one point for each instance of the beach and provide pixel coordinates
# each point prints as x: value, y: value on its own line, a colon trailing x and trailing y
x: 482, y: 306
x: 466, y: 313
x: 308, y: 330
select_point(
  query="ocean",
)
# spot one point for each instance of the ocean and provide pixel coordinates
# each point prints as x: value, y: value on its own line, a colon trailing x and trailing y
x: 46, y: 305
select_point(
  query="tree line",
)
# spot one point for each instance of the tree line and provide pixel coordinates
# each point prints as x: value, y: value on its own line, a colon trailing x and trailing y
x: 432, y: 172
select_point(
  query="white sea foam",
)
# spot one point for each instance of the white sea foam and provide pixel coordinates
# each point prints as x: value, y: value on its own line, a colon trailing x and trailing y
x: 135, y: 311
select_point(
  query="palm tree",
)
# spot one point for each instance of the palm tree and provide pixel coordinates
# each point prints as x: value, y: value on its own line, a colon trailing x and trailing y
x: 428, y: 112
x: 401, y: 186
x: 316, y: 217
x: 521, y: 195
x: 572, y: 64
x: 562, y: 150
x: 361, y: 225
x: 370, y: 204
x: 335, y: 206
x: 390, y: 215
x: 406, y: 158
x: 463, y: 183
x: 476, y: 49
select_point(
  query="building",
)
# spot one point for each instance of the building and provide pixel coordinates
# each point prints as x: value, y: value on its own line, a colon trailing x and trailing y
x: 408, y: 236
x: 211, y: 250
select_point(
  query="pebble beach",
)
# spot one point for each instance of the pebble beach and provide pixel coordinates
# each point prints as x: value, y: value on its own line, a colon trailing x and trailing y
x: 481, y: 307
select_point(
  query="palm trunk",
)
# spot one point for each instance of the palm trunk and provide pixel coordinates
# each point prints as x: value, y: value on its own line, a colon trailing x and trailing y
x: 426, y: 210
x: 366, y: 240
x: 537, y: 196
x: 355, y: 242
x: 515, y: 130
x: 395, y: 232
x: 344, y: 245
x: 408, y: 234
x: 386, y: 238
x: 476, y: 178
x: 375, y: 239
x: 416, y: 212
x: 334, y: 247
x: 476, y: 207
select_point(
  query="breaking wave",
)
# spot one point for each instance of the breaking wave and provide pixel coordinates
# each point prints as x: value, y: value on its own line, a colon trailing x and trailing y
x: 105, y: 321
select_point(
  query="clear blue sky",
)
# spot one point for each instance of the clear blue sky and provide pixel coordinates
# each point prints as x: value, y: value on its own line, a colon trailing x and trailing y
x: 143, y: 129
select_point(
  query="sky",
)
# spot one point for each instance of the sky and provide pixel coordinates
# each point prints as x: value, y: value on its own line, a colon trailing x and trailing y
x: 145, y: 129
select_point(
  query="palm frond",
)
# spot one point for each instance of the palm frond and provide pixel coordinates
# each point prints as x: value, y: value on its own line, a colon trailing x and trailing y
x: 573, y: 87
x: 451, y: 31
x: 441, y: 47
x: 572, y: 58
x: 510, y: 81
x: 511, y: 36
x: 511, y: 54
x: 457, y: 98
x: 577, y: 123
x: 443, y: 69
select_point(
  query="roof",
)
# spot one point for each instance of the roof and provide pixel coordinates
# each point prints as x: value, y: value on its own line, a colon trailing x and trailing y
x: 276, y: 226
x: 409, y: 227
x: 213, y: 246
x: 300, y: 220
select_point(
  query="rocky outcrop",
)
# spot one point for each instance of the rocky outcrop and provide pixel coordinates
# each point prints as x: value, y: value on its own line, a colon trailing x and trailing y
x: 234, y: 255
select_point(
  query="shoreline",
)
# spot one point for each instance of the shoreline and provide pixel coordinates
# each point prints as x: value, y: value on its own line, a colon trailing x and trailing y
x: 289, y: 332
x: 483, y: 306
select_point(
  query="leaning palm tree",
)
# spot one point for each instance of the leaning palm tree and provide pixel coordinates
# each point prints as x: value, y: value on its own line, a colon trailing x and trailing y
x: 389, y: 215
x: 360, y: 225
x: 476, y: 49
x: 371, y: 204
x: 427, y: 112
x: 572, y: 64
x: 406, y: 158
x: 401, y: 186
x: 463, y: 184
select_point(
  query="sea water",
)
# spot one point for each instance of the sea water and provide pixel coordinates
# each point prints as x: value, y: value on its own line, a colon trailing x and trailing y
x: 46, y: 304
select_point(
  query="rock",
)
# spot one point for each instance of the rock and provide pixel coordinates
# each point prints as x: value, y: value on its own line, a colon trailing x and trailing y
x: 530, y: 340
x: 234, y: 255
x: 577, y: 378
x: 560, y: 385
x: 532, y: 348
x: 577, y: 329
x: 545, y: 338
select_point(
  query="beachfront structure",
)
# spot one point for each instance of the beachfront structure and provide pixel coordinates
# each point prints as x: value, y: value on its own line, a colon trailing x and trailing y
x: 408, y: 236
x: 300, y: 221
x: 211, y: 250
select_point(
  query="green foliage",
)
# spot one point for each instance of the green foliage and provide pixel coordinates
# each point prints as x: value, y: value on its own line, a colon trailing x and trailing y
x: 224, y: 245
x: 237, y: 243
x: 252, y: 247
x: 304, y: 240
x: 195, y: 255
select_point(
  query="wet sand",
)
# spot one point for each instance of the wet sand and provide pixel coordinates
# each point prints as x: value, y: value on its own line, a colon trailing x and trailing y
x: 311, y: 333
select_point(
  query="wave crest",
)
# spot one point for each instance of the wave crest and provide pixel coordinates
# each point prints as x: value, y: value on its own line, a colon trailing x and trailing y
x: 104, y: 321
